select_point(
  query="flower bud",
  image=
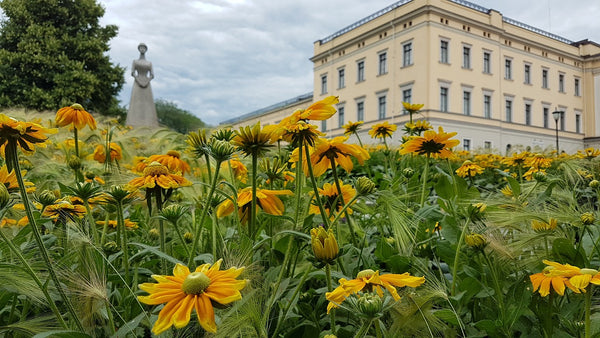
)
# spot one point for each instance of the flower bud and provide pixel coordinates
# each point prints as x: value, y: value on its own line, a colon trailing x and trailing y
x: 408, y: 172
x: 364, y: 186
x: 476, y: 241
x: 74, y: 163
x: 221, y: 150
x: 154, y: 233
x: 370, y: 305
x: 587, y: 218
x: 173, y: 212
x: 110, y: 247
x: 188, y: 237
x: 594, y: 184
x: 324, y: 244
x: 4, y: 196
x: 540, y: 176
x: 46, y: 198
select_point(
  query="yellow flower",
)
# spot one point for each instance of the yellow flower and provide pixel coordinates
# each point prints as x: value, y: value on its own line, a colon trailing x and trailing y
x: 370, y: 280
x: 555, y: 275
x: 352, y: 127
x: 157, y: 174
x: 10, y: 180
x: 541, y: 226
x: 265, y: 199
x: 240, y: 172
x: 382, y: 130
x: 76, y: 115
x: 538, y: 161
x: 61, y: 210
x: 327, y: 150
x: 26, y: 135
x: 331, y: 201
x: 585, y: 277
x: 320, y: 110
x: 476, y: 241
x: 252, y: 141
x: 116, y: 153
x: 300, y: 131
x: 8, y: 222
x: 507, y: 191
x: 412, y: 108
x: 113, y: 224
x: 516, y: 159
x: 324, y: 244
x: 431, y: 144
x: 469, y: 169
x: 172, y: 160
x: 528, y: 175
x: 591, y: 153
x: 417, y: 127
x: 187, y: 290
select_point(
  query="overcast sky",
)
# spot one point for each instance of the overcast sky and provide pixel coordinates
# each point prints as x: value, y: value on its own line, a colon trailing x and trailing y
x: 219, y: 59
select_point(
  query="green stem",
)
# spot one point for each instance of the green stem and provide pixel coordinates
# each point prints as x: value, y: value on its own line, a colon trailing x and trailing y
x: 204, y: 212
x: 91, y: 222
x: 366, y: 166
x: 185, y: 247
x: 341, y: 197
x: 363, y: 329
x: 425, y: 173
x: 299, y: 185
x: 207, y: 160
x: 78, y: 175
x: 161, y: 227
x: 499, y: 293
x: 35, y: 278
x: 111, y: 321
x: 588, y: 311
x: 457, y: 255
x: 121, y: 226
x: 315, y: 190
x: 252, y: 225
x: 330, y: 288
x: 38, y: 236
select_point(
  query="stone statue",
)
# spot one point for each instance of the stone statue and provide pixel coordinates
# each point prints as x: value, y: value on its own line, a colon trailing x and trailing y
x: 142, y: 111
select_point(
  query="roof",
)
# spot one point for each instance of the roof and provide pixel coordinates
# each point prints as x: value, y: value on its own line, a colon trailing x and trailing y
x: 279, y: 105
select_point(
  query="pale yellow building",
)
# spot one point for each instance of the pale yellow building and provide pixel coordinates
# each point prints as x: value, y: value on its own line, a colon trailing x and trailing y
x: 492, y: 79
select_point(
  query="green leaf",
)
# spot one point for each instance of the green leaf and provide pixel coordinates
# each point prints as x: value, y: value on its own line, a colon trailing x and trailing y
x: 129, y: 326
x: 448, y: 316
x: 62, y: 334
x: 152, y: 250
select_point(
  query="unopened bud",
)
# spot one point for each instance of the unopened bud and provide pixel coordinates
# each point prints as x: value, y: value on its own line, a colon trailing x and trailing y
x: 188, y: 237
x: 364, y: 186
x: 221, y: 150
x: 476, y: 241
x: 540, y: 176
x: 154, y: 233
x: 74, y: 163
x: 46, y: 198
x: 4, y: 196
x: 408, y: 172
x: 370, y: 305
x: 594, y: 184
x: 110, y: 247
x: 587, y: 218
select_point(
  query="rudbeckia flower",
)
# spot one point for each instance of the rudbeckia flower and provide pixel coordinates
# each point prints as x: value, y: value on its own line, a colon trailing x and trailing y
x: 352, y: 127
x: 469, y: 169
x: 431, y: 144
x: 382, y: 130
x: 332, y: 202
x: 10, y: 180
x: 62, y: 210
x: 412, y: 108
x: 240, y: 172
x: 538, y: 161
x: 75, y: 115
x: 265, y: 199
x: 542, y: 226
x: 371, y: 280
x: 185, y: 291
x: 172, y: 160
x: 324, y: 244
x: 157, y: 174
x: 116, y: 153
x: 326, y: 150
x: 26, y: 135
x: 252, y: 141
x: 113, y: 224
x: 556, y: 275
x: 320, y: 110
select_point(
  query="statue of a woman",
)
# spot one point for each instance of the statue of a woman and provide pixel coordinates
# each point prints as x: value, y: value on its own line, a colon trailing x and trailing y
x: 142, y: 111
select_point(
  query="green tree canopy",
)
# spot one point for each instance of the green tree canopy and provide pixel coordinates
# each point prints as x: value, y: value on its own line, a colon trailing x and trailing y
x: 176, y: 118
x: 53, y: 53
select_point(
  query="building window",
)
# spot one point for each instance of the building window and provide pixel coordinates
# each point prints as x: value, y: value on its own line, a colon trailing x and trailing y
x: 487, y: 145
x: 546, y: 116
x: 340, y: 112
x: 444, y: 51
x: 443, y: 99
x: 382, y: 63
x: 406, y: 97
x: 341, y: 78
x: 407, y: 54
x: 360, y: 65
x: 578, y: 123
x: 324, y: 125
x: 466, y: 144
x: 323, y: 84
x: 487, y: 62
x: 381, y: 106
x: 562, y: 119
x: 466, y: 57
x: 466, y: 102
x: 561, y: 83
x: 508, y: 111
x: 544, y: 78
x: 508, y: 69
x: 577, y: 87
x: 487, y: 106
x: 360, y: 111
x: 527, y: 74
x: 528, y: 114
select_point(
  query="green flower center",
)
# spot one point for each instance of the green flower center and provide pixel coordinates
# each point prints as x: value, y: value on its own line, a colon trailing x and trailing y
x: 586, y: 271
x: 365, y: 273
x: 195, y: 283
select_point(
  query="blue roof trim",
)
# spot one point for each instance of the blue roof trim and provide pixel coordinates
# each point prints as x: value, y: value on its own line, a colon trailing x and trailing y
x: 288, y: 102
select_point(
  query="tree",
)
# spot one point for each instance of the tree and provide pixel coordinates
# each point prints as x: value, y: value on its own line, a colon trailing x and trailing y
x: 176, y: 118
x: 53, y: 53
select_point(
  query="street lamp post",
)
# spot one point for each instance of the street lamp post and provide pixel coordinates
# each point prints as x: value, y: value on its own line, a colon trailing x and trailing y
x: 557, y: 114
